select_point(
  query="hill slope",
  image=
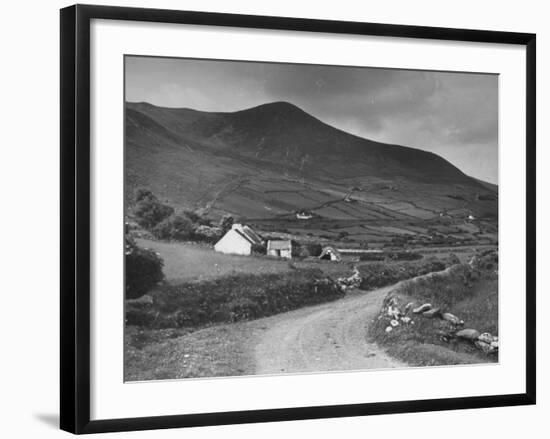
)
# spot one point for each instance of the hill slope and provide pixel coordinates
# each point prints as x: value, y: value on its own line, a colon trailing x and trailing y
x: 275, y: 159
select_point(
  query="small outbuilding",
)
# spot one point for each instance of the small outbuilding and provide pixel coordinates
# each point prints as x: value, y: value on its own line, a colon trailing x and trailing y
x: 330, y: 254
x: 304, y: 215
x: 280, y: 249
x: 239, y: 240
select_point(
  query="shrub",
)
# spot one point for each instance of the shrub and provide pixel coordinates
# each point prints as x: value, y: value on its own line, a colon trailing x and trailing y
x: 310, y: 250
x: 207, y: 233
x: 148, y: 210
x: 232, y: 298
x: 380, y: 274
x: 143, y: 270
x: 176, y: 227
x: 226, y: 222
x: 259, y: 249
x: 197, y: 218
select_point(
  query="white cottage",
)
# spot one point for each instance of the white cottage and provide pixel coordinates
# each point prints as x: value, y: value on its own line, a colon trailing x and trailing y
x: 238, y: 241
x: 280, y: 249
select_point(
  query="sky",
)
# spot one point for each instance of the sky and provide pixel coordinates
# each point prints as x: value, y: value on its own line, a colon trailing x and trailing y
x: 454, y: 115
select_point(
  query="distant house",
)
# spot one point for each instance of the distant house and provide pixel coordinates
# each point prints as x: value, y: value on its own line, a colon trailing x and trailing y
x: 304, y: 215
x: 280, y: 249
x: 238, y: 241
x: 330, y: 254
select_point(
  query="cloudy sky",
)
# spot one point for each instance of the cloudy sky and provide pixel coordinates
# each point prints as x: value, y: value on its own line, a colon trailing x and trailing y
x: 454, y: 115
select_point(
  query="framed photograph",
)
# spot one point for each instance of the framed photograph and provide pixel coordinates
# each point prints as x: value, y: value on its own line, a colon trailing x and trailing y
x: 273, y: 218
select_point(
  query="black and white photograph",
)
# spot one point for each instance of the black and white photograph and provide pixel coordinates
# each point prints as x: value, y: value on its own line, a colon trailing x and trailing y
x: 293, y: 218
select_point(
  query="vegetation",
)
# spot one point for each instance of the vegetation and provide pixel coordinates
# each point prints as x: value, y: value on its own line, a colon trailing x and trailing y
x: 165, y: 224
x: 148, y: 210
x: 175, y: 227
x: 232, y: 298
x: 380, y: 274
x: 143, y: 269
x: 469, y: 293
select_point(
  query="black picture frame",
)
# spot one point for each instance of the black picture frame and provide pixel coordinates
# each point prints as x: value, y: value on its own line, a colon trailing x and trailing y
x: 75, y: 217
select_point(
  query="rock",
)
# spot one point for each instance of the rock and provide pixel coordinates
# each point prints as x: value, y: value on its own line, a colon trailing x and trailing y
x: 484, y: 347
x: 422, y: 308
x: 485, y: 338
x: 452, y: 318
x: 468, y: 334
x: 389, y: 329
x: 393, y: 312
x: 394, y: 323
x: 431, y: 313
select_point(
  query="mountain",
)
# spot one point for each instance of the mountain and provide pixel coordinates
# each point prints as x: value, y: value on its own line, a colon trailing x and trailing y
x: 276, y: 159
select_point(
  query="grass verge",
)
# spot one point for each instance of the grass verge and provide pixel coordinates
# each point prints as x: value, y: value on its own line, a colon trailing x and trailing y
x: 470, y: 294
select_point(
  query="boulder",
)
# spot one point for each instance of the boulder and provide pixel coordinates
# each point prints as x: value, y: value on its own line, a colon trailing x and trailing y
x: 485, y: 338
x: 484, y: 347
x: 389, y: 329
x: 431, y: 313
x: 452, y: 318
x: 393, y: 312
x: 468, y: 334
x: 422, y: 308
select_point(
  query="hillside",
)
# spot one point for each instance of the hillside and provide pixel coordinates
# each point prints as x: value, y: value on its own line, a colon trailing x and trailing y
x: 275, y: 159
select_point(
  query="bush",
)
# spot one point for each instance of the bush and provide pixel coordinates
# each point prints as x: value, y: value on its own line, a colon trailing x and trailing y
x: 310, y: 250
x: 148, y: 210
x: 232, y: 298
x: 207, y: 233
x: 176, y: 227
x: 226, y: 223
x: 380, y: 274
x: 143, y: 270
x: 196, y: 218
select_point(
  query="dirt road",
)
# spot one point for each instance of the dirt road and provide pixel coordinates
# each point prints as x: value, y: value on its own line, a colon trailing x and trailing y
x: 325, y: 337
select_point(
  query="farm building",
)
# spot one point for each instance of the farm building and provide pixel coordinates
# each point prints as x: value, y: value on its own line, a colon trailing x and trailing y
x: 238, y: 241
x: 330, y: 254
x: 281, y: 249
x: 304, y: 215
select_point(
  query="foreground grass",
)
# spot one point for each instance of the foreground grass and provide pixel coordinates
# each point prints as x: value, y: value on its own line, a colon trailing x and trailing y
x: 470, y: 295
x: 222, y: 350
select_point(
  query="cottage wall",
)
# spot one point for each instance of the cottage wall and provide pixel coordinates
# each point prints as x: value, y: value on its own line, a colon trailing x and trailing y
x: 233, y: 243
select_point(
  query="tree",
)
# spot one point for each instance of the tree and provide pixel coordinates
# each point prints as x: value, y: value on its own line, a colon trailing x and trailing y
x: 177, y: 227
x: 226, y: 223
x: 148, y: 210
x: 143, y: 269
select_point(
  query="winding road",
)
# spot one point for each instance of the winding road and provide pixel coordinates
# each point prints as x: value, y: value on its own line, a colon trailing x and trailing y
x: 326, y: 337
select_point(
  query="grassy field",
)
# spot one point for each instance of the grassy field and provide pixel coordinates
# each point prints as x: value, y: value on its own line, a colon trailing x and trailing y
x: 184, y: 262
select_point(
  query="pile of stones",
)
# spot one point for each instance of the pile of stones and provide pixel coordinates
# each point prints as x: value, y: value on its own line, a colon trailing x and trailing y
x: 485, y: 342
x: 347, y: 283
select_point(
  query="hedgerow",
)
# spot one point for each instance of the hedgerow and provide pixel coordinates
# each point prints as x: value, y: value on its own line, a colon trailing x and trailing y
x: 232, y: 298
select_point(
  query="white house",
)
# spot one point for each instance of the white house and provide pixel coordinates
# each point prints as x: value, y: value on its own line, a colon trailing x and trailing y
x: 238, y: 241
x: 280, y: 249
